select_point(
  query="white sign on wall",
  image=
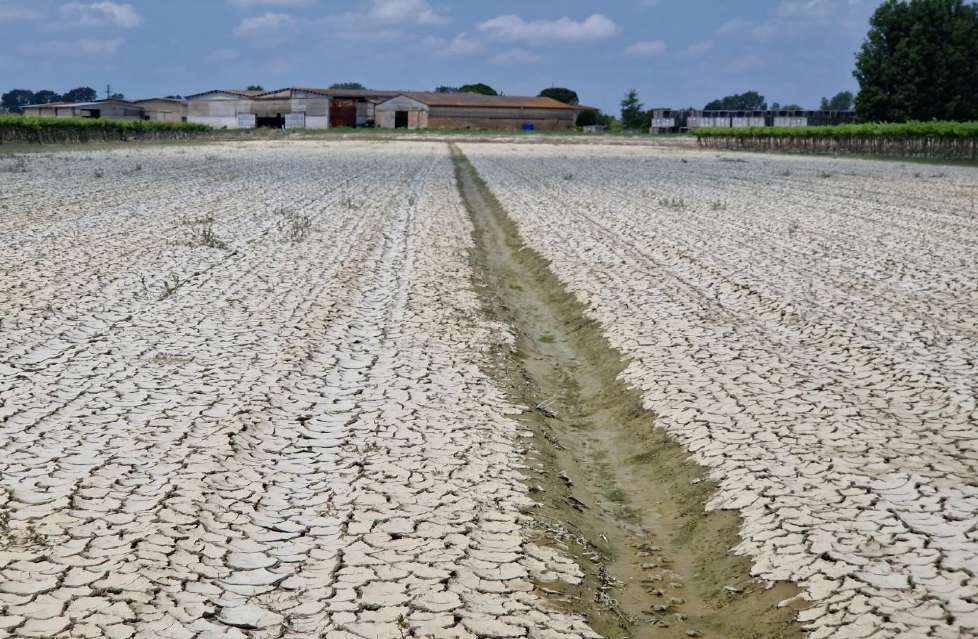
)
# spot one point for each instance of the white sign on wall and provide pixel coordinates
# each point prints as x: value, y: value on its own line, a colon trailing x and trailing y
x: 246, y: 121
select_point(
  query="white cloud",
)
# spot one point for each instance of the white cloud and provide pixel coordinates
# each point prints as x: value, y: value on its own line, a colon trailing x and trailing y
x: 263, y: 25
x: 807, y: 9
x: 647, y: 48
x: 99, y: 14
x: 14, y: 14
x: 402, y: 11
x: 515, y: 56
x: 792, y: 18
x: 512, y: 28
x: 460, y: 45
x: 383, y: 21
x: 250, y: 4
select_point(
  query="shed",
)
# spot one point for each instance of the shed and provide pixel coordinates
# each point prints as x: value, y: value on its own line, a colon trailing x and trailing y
x: 476, y: 111
x: 108, y: 109
x: 163, y: 109
x: 293, y: 108
x: 351, y: 107
x: 223, y: 108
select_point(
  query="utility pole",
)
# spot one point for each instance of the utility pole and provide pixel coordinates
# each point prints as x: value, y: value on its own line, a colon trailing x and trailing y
x: 108, y: 91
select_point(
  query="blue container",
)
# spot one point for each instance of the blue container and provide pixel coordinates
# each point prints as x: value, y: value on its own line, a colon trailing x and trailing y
x: 529, y: 127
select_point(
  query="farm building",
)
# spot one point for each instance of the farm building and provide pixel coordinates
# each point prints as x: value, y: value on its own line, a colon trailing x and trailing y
x: 354, y: 107
x: 679, y: 120
x: 223, y: 108
x: 415, y: 110
x: 310, y: 108
x: 292, y: 108
x: 163, y: 109
x: 109, y: 109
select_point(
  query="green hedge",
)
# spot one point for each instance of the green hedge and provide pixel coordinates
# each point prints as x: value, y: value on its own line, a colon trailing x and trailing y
x: 29, y: 123
x: 893, y: 131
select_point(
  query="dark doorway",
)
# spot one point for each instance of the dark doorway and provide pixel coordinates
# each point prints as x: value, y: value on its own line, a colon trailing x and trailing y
x: 400, y: 119
x: 343, y: 113
x: 276, y: 121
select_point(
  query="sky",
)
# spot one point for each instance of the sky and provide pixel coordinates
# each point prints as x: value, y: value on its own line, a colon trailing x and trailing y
x: 675, y: 53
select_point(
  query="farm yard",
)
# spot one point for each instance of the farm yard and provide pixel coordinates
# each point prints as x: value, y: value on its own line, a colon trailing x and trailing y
x: 369, y: 389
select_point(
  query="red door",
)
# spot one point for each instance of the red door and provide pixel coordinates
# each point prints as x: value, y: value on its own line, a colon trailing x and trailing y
x: 343, y: 113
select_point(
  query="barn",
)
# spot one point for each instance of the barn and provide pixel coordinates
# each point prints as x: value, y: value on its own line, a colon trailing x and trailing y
x: 109, y: 109
x: 163, y: 109
x: 419, y: 110
x: 223, y: 108
x: 292, y: 108
x: 350, y: 108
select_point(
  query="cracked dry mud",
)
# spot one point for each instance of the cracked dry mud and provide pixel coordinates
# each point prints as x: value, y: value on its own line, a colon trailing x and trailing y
x: 807, y: 329
x: 270, y: 439
x: 246, y: 389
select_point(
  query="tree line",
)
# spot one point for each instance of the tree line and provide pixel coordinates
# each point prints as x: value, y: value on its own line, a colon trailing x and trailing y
x: 14, y: 101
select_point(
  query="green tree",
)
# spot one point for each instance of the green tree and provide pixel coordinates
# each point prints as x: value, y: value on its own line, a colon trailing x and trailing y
x: 632, y: 115
x: 255, y: 87
x: 81, y: 94
x: 350, y: 86
x: 560, y: 94
x: 46, y: 97
x: 842, y: 101
x: 747, y: 101
x: 587, y: 118
x: 792, y: 107
x: 918, y: 62
x: 15, y: 101
x: 444, y: 89
x: 480, y: 88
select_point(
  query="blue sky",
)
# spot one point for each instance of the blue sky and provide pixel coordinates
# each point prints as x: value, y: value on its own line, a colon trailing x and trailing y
x: 675, y: 52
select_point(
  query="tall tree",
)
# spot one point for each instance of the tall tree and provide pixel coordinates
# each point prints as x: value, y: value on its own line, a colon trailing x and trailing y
x: 560, y: 94
x: 46, y: 97
x: 632, y: 115
x: 81, y: 94
x: 352, y: 86
x: 480, y: 88
x: 747, y: 101
x: 842, y: 101
x: 15, y: 101
x: 918, y: 62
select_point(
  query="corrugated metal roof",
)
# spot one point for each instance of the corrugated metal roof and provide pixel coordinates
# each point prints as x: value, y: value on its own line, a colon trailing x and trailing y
x: 78, y: 105
x: 177, y: 101
x: 350, y: 93
x: 489, y: 101
x: 239, y: 92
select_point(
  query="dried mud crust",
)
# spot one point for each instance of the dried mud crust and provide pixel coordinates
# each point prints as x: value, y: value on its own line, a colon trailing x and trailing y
x: 255, y: 432
x: 805, y: 327
x: 611, y: 490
